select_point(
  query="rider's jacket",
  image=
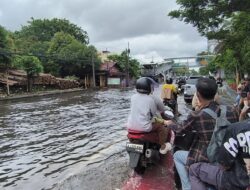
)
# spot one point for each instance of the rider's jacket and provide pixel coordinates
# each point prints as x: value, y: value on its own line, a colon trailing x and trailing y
x: 235, y: 155
x: 142, y: 111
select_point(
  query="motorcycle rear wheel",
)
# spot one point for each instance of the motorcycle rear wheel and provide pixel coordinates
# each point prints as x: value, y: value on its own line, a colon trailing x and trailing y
x: 139, y: 169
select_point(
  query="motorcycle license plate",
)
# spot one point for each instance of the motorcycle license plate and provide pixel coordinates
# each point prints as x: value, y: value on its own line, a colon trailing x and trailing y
x: 131, y: 147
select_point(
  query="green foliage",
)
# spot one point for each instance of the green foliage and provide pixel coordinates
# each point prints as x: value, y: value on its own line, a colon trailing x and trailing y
x: 204, y: 71
x: 226, y: 21
x: 6, y: 45
x: 124, y: 62
x: 181, y: 71
x: 209, y: 16
x: 44, y: 39
x: 30, y: 64
x: 235, y: 51
x: 44, y: 30
x: 3, y: 37
x: 230, y: 81
x: 193, y: 72
x: 69, y: 56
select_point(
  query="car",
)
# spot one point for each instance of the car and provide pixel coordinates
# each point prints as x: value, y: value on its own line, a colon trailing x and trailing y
x: 190, y: 88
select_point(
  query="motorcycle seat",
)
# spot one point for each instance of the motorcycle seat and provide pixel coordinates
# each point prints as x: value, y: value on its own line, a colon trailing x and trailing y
x: 143, y: 136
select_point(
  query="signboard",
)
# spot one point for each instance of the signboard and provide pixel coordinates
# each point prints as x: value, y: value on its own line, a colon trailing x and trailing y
x: 114, y: 81
x: 203, y: 62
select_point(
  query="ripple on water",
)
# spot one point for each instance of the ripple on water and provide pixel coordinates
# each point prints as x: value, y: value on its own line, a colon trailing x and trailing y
x: 43, y: 140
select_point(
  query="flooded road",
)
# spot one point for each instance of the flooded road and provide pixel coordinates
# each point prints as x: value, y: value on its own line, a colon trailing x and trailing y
x: 72, y: 141
x: 45, y: 140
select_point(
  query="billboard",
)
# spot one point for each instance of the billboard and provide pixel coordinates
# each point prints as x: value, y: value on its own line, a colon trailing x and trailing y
x: 114, y: 81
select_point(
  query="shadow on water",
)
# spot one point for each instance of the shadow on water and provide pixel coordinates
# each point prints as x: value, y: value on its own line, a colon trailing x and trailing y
x: 44, y: 140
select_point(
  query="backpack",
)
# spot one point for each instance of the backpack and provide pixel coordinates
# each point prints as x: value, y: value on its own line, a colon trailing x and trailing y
x: 221, y: 124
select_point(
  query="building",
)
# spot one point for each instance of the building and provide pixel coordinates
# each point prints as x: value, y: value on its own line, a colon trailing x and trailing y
x: 110, y: 75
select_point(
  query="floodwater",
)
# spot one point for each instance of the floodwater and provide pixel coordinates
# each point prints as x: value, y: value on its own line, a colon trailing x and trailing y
x: 72, y: 141
x: 45, y: 140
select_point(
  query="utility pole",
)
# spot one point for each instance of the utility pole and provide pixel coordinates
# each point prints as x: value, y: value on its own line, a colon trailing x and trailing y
x: 93, y: 69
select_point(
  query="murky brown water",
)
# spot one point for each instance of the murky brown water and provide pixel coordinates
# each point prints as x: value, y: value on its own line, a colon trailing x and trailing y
x: 45, y: 140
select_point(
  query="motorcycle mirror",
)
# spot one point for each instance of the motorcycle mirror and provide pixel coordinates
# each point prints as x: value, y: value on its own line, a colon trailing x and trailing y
x: 169, y: 114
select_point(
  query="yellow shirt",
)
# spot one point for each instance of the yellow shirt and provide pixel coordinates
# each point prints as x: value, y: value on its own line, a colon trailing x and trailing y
x: 168, y: 91
x: 169, y: 86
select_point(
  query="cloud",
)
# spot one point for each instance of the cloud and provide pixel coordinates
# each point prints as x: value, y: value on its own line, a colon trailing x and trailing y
x: 111, y: 24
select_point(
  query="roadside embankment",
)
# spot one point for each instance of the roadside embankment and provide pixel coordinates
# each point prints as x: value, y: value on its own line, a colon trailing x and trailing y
x: 40, y: 93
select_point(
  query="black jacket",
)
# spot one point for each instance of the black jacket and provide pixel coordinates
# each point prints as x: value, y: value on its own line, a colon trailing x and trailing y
x: 236, y: 148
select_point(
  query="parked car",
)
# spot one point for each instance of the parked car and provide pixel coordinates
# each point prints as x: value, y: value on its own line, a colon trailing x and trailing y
x: 190, y: 88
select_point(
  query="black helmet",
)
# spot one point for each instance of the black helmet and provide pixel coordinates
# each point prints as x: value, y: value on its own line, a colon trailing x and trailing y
x: 169, y: 80
x: 143, y: 85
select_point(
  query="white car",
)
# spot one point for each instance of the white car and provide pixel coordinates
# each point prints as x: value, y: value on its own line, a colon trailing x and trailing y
x: 190, y: 88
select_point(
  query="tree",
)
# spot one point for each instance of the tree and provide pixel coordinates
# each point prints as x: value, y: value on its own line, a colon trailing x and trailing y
x: 235, y: 48
x: 6, y: 45
x: 226, y: 21
x: 209, y: 16
x: 181, y: 71
x: 211, y: 67
x: 44, y: 30
x: 36, y: 37
x: 68, y: 56
x: 126, y: 63
x: 31, y: 65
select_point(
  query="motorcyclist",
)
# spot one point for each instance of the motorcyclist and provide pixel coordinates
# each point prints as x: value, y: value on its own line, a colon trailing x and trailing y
x: 144, y: 109
x: 169, y: 94
x: 180, y: 83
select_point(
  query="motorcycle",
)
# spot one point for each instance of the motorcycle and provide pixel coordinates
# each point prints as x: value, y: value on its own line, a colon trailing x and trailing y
x: 180, y: 86
x: 180, y: 90
x: 143, y: 148
x: 170, y: 103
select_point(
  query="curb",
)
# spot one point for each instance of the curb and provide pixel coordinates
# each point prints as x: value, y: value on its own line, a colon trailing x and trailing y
x: 46, y: 93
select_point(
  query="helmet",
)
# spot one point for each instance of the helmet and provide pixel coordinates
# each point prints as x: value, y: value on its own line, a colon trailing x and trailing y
x: 169, y: 80
x: 143, y: 85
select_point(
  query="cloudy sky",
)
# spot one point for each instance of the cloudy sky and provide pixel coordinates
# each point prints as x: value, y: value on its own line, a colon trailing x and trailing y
x: 112, y: 24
